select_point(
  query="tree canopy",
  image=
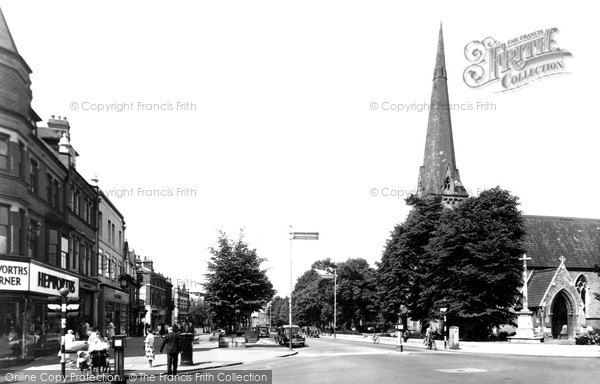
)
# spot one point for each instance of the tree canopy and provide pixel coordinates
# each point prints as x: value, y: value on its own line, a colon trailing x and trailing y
x: 465, y: 259
x: 473, y: 265
x: 313, y: 296
x: 235, y: 286
x: 403, y: 265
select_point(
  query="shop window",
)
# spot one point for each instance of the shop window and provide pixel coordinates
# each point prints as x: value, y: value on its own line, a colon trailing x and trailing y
x: 4, y: 153
x: 49, y: 188
x: 81, y: 258
x: 88, y: 260
x: 53, y: 247
x: 75, y: 253
x: 100, y: 262
x: 32, y: 243
x: 108, y: 266
x: 76, y: 203
x: 3, y: 229
x: 33, y: 176
x: 64, y: 253
x: 56, y: 194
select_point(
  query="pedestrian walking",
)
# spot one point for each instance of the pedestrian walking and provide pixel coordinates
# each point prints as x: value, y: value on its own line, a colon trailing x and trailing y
x: 149, y: 348
x: 171, y: 342
x: 430, y: 338
x: 85, y: 330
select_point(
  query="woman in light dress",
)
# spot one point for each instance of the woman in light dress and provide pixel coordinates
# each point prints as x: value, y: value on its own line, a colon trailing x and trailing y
x: 149, y: 346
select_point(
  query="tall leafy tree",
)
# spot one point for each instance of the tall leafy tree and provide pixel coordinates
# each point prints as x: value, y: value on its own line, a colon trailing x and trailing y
x: 235, y: 286
x: 280, y: 311
x: 199, y: 313
x: 473, y: 265
x: 403, y: 264
x: 357, y: 294
x: 312, y: 299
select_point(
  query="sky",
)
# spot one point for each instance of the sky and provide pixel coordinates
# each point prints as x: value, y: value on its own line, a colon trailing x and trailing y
x: 276, y: 124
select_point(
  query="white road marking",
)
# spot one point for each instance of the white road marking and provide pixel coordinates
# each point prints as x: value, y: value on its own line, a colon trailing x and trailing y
x: 462, y: 370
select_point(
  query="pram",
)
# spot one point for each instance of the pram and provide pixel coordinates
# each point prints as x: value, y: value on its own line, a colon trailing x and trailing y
x: 83, y: 361
x: 100, y: 361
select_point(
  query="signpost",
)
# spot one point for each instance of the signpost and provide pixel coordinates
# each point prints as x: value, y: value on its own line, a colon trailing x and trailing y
x: 444, y: 312
x: 63, y: 308
x: 297, y: 236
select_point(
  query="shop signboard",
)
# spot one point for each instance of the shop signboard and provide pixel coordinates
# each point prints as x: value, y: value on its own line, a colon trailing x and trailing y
x: 14, y: 275
x: 49, y: 281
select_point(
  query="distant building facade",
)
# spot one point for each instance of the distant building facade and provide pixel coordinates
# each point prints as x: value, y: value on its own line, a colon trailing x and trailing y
x: 181, y: 301
x: 112, y: 264
x: 155, y: 291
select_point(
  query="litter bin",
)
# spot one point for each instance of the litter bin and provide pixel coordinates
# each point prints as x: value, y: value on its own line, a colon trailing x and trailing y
x: 186, y: 341
x: 453, y: 338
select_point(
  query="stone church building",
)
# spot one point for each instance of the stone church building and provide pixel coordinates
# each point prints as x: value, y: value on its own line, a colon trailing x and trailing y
x: 561, y: 280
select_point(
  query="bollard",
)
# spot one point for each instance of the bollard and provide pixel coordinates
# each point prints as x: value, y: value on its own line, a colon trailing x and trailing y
x: 187, y: 348
x: 118, y: 344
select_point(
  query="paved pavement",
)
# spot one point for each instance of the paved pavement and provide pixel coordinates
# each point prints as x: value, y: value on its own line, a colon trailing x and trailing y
x: 207, y: 355
x: 497, y: 347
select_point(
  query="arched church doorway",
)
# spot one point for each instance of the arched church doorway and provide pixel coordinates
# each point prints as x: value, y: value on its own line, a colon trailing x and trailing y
x: 560, y: 314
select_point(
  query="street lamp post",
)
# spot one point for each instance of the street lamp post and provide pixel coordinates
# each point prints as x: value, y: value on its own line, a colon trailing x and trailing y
x: 445, y: 328
x: 63, y: 324
x: 328, y: 275
x: 334, y: 302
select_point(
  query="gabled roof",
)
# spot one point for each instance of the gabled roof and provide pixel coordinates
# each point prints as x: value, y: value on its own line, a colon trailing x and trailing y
x: 538, y: 285
x: 549, y: 237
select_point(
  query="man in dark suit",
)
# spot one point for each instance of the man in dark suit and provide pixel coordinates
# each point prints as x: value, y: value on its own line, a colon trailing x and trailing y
x: 171, y: 341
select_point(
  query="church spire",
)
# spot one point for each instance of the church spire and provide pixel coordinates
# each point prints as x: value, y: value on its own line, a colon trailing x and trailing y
x: 438, y: 174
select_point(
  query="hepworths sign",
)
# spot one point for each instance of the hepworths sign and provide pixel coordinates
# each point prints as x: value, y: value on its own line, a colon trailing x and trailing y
x: 49, y: 281
x: 515, y: 63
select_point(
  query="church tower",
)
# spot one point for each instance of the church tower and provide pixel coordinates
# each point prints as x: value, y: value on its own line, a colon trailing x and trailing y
x: 438, y: 175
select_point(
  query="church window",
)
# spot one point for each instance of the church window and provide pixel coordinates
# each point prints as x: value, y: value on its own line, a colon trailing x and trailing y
x: 447, y: 183
x: 581, y: 285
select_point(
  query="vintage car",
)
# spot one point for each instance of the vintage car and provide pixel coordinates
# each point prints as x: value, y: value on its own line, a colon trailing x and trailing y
x: 283, y: 336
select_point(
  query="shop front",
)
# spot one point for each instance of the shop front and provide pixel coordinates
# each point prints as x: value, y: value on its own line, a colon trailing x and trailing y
x: 114, y: 305
x: 27, y: 328
x: 88, y: 296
